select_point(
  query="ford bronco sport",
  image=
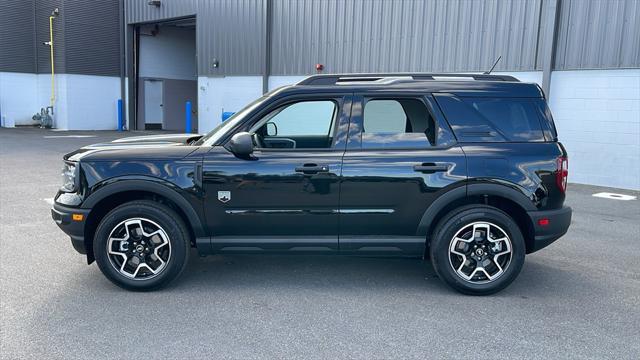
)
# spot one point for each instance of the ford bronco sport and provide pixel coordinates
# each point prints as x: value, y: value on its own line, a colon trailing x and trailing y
x: 463, y: 169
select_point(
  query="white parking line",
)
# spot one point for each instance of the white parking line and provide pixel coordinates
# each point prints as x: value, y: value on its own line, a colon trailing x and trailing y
x: 67, y: 136
x: 48, y: 201
x: 614, y: 196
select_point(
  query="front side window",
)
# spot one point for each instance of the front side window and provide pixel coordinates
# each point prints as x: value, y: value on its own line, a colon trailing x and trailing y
x: 301, y: 125
x: 397, y: 123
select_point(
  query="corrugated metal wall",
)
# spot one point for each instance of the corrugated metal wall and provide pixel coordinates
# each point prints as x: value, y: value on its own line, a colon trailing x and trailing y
x: 17, y: 50
x: 369, y: 36
x: 231, y: 31
x: 349, y: 36
x: 86, y: 38
x: 92, y: 37
x: 139, y: 11
x: 598, y: 34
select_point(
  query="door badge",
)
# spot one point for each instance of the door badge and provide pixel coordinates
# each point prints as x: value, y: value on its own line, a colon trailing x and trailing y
x: 224, y: 196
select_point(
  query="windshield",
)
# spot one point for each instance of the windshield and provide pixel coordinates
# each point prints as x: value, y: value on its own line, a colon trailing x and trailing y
x: 218, y: 132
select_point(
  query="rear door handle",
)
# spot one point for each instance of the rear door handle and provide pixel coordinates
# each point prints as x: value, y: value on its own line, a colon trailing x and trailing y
x: 430, y: 167
x: 312, y: 169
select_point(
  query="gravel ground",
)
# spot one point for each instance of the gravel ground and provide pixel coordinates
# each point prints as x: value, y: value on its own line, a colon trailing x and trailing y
x: 578, y: 298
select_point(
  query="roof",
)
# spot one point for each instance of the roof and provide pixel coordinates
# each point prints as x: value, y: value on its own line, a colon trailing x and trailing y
x: 476, y: 85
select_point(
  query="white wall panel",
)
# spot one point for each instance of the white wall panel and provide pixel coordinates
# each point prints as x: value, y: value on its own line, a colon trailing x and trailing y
x: 18, y: 101
x: 88, y: 102
x: 597, y: 114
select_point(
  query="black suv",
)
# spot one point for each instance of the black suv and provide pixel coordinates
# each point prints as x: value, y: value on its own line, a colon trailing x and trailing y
x: 464, y: 169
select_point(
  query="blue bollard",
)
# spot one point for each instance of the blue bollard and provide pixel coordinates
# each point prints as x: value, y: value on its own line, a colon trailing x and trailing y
x: 120, y: 117
x: 227, y: 114
x: 188, y: 117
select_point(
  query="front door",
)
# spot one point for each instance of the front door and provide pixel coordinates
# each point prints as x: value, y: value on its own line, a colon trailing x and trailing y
x: 400, y: 157
x: 286, y: 196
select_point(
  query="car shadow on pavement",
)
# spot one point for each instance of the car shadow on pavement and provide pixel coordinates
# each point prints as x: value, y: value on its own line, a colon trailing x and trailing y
x: 309, y: 271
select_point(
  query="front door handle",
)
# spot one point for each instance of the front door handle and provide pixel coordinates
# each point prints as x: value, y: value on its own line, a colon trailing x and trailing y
x: 430, y: 167
x: 312, y: 169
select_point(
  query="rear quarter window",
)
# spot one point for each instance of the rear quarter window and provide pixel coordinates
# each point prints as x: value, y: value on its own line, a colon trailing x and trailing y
x: 482, y: 119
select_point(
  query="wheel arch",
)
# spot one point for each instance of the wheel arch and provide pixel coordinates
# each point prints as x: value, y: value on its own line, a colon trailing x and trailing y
x: 117, y: 193
x: 508, y: 199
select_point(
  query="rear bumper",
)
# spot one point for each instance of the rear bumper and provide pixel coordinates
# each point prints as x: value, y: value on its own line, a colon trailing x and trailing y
x: 559, y: 221
x: 62, y: 215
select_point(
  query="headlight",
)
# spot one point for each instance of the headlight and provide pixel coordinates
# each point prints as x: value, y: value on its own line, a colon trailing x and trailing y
x: 69, y: 176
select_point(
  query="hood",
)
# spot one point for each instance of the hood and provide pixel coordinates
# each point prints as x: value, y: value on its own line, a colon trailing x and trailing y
x: 163, y: 139
x: 168, y: 146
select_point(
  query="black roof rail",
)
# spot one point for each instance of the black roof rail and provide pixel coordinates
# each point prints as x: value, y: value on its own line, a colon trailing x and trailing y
x: 333, y: 79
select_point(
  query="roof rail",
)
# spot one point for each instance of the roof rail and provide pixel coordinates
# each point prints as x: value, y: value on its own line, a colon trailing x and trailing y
x: 333, y: 79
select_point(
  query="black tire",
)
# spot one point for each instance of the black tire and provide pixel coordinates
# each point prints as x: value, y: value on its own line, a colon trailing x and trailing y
x: 460, y: 219
x: 168, y: 220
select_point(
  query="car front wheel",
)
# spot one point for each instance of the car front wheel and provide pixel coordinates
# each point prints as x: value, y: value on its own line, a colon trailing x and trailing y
x: 141, y: 245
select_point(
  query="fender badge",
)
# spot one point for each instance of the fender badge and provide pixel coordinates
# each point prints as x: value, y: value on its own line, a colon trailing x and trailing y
x: 224, y: 196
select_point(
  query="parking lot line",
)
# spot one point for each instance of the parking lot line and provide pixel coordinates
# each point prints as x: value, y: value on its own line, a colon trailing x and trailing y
x: 614, y: 196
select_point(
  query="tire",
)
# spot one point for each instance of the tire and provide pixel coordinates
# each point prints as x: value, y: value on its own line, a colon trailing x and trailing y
x: 161, y: 246
x: 460, y: 247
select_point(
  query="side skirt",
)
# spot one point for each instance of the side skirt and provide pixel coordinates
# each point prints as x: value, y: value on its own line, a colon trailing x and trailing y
x: 330, y: 245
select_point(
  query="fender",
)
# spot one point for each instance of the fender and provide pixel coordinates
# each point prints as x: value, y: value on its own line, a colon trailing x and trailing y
x: 159, y: 187
x: 476, y: 189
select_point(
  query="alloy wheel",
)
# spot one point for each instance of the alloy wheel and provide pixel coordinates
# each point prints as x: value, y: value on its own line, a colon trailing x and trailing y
x: 138, y: 248
x: 480, y: 252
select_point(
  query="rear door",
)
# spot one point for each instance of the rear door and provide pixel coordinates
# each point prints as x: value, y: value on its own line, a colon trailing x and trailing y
x: 400, y: 156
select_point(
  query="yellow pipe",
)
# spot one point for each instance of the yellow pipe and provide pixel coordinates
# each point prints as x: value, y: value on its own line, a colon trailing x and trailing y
x: 52, y: 100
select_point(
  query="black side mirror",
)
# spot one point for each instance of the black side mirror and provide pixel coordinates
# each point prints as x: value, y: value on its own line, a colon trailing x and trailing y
x: 241, y: 144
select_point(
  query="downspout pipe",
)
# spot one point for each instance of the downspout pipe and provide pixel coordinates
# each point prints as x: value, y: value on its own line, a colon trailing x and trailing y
x: 122, y: 110
x: 52, y: 99
x: 267, y: 46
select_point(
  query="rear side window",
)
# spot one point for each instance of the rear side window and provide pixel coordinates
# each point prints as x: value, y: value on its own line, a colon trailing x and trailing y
x: 478, y: 119
x: 397, y: 123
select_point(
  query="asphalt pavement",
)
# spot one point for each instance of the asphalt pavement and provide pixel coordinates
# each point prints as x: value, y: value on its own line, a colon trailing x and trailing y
x: 578, y: 298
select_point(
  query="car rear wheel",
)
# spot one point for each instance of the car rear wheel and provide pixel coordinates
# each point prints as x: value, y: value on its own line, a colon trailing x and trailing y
x: 141, y: 245
x: 477, y: 249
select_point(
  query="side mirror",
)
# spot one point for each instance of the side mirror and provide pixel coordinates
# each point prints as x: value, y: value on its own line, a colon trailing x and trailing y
x: 241, y: 144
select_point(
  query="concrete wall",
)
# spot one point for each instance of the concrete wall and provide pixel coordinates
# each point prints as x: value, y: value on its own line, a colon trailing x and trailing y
x: 18, y: 98
x: 87, y: 102
x: 83, y: 102
x: 597, y: 114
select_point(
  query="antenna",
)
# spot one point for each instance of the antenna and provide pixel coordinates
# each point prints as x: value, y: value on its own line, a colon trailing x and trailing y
x: 494, y: 65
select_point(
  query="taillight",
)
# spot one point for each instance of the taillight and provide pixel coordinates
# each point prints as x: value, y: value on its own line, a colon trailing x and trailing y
x: 562, y: 173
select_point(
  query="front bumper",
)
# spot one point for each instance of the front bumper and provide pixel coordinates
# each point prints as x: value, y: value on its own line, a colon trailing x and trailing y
x: 63, y: 216
x: 558, y: 224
